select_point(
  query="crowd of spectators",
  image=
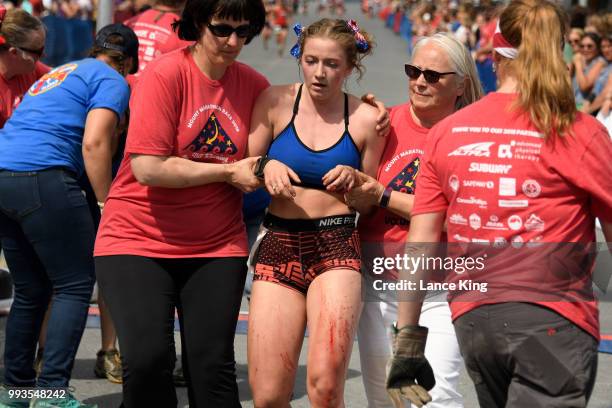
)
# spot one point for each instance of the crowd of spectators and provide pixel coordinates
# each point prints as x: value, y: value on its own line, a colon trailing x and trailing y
x: 587, y: 51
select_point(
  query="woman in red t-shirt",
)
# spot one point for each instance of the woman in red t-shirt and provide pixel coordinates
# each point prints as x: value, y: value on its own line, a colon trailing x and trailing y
x: 22, y: 43
x: 172, y: 233
x: 522, y: 175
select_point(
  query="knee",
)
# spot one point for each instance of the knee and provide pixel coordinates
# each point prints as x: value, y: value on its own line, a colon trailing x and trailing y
x: 269, y: 397
x: 147, y: 363
x: 270, y: 391
x: 76, y: 287
x: 325, y: 389
x: 35, y: 294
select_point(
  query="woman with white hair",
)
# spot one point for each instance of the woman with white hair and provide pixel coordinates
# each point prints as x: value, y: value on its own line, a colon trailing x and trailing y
x: 442, y: 79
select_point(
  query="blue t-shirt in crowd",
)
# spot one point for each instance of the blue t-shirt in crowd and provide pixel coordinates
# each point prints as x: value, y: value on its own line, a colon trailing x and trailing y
x: 46, y: 130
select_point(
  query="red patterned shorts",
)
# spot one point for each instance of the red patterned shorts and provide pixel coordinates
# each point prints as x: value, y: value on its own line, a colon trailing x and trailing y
x: 295, y: 251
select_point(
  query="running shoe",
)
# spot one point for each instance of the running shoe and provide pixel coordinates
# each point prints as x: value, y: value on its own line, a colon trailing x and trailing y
x: 108, y: 365
x: 68, y: 402
x: 7, y: 402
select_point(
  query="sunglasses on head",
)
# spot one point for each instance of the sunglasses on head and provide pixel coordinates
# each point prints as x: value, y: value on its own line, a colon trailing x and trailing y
x: 431, y: 76
x: 225, y: 30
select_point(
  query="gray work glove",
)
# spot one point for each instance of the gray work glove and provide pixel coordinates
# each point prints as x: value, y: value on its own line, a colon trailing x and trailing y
x: 410, y: 376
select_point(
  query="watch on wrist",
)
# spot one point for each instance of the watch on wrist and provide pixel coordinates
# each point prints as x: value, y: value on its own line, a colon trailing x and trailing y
x: 260, y: 165
x: 384, y: 199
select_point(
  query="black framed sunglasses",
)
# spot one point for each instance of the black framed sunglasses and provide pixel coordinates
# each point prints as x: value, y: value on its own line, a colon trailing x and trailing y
x: 430, y: 75
x: 39, y: 53
x: 225, y: 30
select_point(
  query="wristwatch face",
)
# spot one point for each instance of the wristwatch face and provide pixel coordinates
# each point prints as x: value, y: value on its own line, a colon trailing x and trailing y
x: 259, y: 168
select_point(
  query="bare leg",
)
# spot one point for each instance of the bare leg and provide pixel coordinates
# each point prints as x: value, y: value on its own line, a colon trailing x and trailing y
x: 333, y: 308
x: 277, y: 319
x: 107, y: 328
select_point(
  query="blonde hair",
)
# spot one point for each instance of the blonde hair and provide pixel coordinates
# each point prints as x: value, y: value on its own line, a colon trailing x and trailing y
x: 17, y: 27
x: 462, y: 63
x: 339, y: 31
x: 536, y: 28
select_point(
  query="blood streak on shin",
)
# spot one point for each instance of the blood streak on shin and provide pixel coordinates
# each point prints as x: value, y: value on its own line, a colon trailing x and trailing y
x: 287, y: 362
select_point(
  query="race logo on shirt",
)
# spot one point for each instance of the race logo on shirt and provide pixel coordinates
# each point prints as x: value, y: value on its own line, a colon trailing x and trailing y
x: 51, y: 79
x: 490, y: 168
x: 531, y: 188
x: 475, y: 149
x: 515, y: 222
x: 212, y: 141
x: 457, y: 219
x: 405, y: 181
x: 534, y: 223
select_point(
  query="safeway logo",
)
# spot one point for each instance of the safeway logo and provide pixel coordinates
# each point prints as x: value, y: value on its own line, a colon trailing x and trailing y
x: 475, y: 149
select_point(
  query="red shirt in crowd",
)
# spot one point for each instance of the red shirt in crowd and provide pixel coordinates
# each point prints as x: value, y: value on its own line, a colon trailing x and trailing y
x: 501, y: 183
x: 398, y: 169
x: 190, y: 116
x: 12, y: 91
x: 155, y: 36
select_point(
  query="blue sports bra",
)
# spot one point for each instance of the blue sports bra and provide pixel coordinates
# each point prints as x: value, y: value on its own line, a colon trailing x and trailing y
x: 311, y: 165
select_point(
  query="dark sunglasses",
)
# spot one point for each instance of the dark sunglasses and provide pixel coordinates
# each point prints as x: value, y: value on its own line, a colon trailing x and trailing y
x: 430, y: 76
x: 587, y: 46
x: 225, y: 30
x: 37, y: 53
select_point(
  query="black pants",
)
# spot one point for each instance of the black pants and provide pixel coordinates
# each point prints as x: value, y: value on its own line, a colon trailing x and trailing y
x: 523, y: 355
x: 142, y: 294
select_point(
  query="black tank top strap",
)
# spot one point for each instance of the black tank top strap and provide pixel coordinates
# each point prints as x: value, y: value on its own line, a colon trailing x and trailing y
x: 346, y: 112
x: 296, y: 104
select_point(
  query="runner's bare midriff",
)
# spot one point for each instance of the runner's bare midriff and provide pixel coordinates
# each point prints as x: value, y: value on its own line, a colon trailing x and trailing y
x: 310, y: 203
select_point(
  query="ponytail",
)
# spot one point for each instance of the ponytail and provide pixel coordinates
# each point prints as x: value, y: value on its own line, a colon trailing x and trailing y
x: 537, y: 28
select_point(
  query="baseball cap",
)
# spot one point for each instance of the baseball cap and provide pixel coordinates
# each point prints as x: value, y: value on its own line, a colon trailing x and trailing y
x: 130, y: 42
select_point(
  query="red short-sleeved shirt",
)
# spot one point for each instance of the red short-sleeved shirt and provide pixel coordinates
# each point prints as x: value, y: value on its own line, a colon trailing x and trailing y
x: 500, y: 182
x: 155, y: 37
x: 178, y: 111
x: 12, y: 91
x: 398, y: 169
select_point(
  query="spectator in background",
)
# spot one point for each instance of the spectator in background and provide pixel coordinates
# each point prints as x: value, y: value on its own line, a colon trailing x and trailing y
x: 603, y: 84
x: 154, y: 30
x: 22, y: 44
x: 464, y: 33
x: 280, y: 24
x: 587, y: 66
x: 574, y: 38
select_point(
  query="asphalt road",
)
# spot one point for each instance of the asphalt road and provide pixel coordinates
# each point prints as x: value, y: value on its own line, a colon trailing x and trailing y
x: 385, y: 78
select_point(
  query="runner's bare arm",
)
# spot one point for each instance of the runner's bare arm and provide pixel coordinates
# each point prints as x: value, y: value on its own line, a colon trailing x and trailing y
x: 262, y: 122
